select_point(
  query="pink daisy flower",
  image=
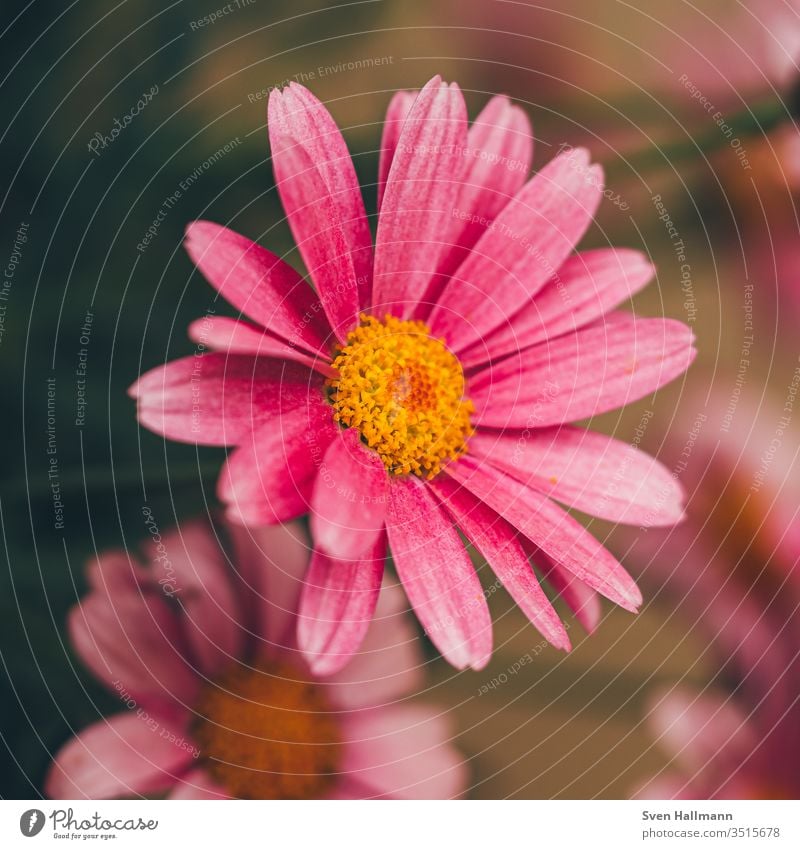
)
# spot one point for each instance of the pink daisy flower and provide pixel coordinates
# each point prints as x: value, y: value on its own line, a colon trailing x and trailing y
x: 425, y: 384
x: 199, y: 646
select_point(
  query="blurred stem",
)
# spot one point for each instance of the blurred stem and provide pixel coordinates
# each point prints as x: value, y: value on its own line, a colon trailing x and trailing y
x: 758, y: 120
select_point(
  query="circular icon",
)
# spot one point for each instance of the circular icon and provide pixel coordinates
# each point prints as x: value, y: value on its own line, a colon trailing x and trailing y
x: 31, y: 822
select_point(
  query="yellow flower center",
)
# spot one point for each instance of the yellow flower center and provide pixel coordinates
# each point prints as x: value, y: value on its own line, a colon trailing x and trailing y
x: 404, y: 391
x: 266, y: 733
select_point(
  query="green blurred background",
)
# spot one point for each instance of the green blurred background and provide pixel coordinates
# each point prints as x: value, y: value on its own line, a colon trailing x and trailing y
x: 608, y: 77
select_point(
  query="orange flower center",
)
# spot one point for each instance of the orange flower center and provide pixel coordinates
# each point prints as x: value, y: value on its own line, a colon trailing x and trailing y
x: 266, y: 733
x: 404, y: 391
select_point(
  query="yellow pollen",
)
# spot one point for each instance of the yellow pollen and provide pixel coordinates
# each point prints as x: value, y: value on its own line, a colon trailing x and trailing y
x: 266, y: 733
x: 404, y: 391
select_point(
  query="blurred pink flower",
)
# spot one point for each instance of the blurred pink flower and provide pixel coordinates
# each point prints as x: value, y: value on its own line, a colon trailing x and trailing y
x: 428, y: 387
x: 199, y: 647
x: 733, y: 568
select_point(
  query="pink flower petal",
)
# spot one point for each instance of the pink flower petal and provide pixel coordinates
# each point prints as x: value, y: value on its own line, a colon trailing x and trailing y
x: 404, y: 752
x: 313, y: 216
x: 498, y: 158
x: 389, y: 663
x: 259, y: 284
x: 586, y: 287
x: 217, y: 399
x: 190, y: 566
x: 437, y: 574
x: 529, y: 240
x: 337, y: 605
x: 399, y: 107
x: 270, y: 477
x: 583, y: 601
x: 348, y: 505
x: 417, y: 205
x: 272, y: 564
x: 548, y: 527
x: 497, y: 541
x: 198, y: 784
x: 600, y: 368
x: 232, y: 336
x: 132, y: 643
x: 297, y: 114
x: 125, y: 755
x: 586, y: 470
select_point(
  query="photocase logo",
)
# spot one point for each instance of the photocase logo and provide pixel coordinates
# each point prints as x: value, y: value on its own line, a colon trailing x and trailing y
x: 31, y: 822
